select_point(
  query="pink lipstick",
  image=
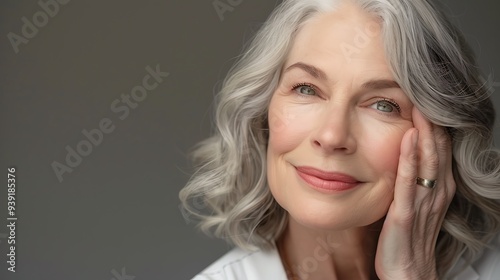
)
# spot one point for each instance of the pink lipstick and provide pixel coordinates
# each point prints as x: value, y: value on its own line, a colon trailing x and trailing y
x: 326, y: 181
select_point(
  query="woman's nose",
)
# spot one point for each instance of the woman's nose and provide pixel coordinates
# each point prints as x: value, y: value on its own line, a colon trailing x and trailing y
x: 334, y: 132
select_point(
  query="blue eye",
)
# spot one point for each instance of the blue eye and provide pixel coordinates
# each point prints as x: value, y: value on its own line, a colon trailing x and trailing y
x: 304, y: 89
x: 387, y: 106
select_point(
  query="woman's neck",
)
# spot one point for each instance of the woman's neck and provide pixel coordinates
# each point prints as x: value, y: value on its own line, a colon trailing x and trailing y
x: 348, y: 254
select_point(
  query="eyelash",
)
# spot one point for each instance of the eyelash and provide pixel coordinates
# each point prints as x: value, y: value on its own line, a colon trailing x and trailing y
x: 390, y: 101
x: 296, y: 86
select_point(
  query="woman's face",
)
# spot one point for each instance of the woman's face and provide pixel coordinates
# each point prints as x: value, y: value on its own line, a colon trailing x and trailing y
x: 336, y: 123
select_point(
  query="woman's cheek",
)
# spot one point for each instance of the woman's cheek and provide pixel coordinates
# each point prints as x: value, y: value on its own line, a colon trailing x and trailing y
x: 381, y: 144
x: 289, y: 125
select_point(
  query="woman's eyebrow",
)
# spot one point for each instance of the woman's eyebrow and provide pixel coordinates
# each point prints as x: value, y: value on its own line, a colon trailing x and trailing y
x: 311, y: 70
x: 321, y: 75
x: 380, y: 84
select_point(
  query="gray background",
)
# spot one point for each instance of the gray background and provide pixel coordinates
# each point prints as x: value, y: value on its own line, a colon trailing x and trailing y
x: 119, y: 207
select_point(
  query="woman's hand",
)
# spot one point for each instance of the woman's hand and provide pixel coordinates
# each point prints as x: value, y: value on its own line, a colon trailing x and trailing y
x: 407, y: 242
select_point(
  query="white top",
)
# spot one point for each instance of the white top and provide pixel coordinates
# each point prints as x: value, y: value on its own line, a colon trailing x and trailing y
x: 238, y: 264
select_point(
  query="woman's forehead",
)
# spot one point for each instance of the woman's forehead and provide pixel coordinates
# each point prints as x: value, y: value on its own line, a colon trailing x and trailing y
x: 346, y: 36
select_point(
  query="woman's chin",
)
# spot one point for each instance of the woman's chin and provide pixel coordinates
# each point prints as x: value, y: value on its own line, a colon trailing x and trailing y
x: 321, y: 222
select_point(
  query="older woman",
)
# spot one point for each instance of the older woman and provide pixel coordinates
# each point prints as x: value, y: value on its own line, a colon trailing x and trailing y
x: 353, y: 141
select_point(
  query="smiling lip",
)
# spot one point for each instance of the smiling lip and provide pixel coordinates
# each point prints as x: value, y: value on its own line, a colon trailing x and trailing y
x: 326, y: 181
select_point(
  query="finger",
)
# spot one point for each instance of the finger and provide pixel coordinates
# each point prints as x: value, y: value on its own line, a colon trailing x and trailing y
x: 435, y: 164
x: 444, y: 150
x: 429, y: 161
x: 404, y: 189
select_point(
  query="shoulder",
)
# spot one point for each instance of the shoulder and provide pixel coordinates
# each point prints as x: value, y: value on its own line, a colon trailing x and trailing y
x: 245, y: 265
x: 487, y: 266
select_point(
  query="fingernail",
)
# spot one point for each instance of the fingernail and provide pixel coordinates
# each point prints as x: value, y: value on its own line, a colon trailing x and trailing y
x: 415, y: 138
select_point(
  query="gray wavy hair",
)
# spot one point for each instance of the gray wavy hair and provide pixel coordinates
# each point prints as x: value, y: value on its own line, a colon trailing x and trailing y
x: 434, y: 66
